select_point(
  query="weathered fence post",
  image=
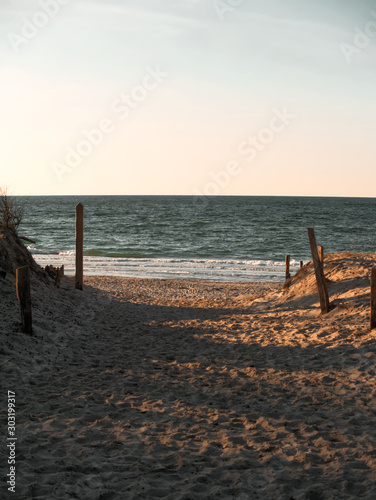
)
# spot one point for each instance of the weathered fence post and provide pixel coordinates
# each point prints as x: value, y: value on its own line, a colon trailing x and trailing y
x: 373, y: 299
x: 320, y: 278
x: 59, y: 275
x: 321, y: 255
x: 79, y: 279
x: 301, y: 264
x: 287, y: 267
x: 24, y: 297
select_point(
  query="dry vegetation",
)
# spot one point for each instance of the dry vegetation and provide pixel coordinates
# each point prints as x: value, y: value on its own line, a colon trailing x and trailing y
x: 11, y: 212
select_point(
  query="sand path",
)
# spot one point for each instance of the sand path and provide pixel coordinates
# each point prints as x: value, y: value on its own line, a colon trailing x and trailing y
x: 189, y: 390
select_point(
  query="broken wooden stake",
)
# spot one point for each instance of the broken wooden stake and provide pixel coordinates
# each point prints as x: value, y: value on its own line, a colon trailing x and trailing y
x: 24, y: 297
x: 59, y: 275
x: 320, y: 278
x: 56, y: 273
x: 373, y: 299
x: 79, y: 278
x: 287, y: 267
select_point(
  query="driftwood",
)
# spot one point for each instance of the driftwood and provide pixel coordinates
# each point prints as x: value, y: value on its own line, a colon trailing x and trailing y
x: 27, y: 239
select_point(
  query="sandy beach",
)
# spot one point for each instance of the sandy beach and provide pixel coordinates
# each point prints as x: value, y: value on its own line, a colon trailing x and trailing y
x: 187, y: 389
x: 188, y: 250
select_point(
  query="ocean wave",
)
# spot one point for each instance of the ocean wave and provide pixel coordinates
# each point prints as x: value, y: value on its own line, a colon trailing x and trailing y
x: 37, y: 251
x: 115, y: 255
x: 140, y: 259
x: 142, y: 267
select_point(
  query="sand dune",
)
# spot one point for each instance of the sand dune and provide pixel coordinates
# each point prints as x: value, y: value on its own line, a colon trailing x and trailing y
x: 183, y: 389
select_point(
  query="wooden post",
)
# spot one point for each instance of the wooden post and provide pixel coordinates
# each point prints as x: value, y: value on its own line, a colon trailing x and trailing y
x: 301, y: 264
x: 373, y: 299
x: 321, y: 255
x: 320, y: 278
x: 24, y: 297
x: 59, y: 275
x: 79, y: 279
x: 287, y: 267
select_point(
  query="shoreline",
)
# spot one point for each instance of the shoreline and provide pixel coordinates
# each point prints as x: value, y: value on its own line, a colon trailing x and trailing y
x: 226, y: 270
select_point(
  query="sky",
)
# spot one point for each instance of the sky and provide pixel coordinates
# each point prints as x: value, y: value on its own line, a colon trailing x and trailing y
x: 188, y: 97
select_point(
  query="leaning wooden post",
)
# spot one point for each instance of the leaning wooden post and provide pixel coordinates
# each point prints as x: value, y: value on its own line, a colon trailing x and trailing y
x: 287, y: 267
x: 320, y: 278
x: 24, y: 297
x: 79, y: 247
x: 321, y: 255
x: 373, y: 299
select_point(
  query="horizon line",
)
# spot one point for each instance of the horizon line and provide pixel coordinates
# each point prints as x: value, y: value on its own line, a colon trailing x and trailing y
x: 204, y: 196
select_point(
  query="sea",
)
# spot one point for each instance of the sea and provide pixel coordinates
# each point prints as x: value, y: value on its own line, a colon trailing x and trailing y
x: 222, y: 238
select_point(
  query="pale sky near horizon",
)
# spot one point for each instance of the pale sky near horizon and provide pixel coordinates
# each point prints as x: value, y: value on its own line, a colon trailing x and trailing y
x: 252, y: 97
